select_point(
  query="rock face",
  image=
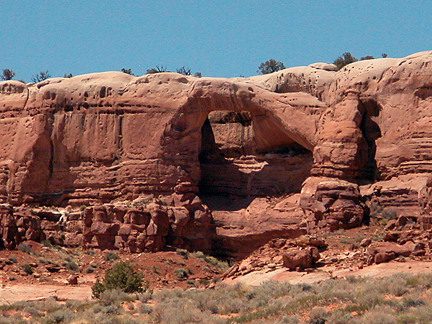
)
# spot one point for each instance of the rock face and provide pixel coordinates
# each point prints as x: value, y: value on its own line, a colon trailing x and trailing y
x: 330, y: 204
x: 339, y: 139
x: 106, y: 136
x: 142, y: 225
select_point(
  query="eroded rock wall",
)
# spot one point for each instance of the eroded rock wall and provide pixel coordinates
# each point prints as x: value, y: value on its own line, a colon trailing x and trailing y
x: 106, y: 136
x: 146, y: 224
x: 338, y: 138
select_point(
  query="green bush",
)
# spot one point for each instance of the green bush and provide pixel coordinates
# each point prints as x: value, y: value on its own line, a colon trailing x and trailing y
x: 180, y: 273
x: 389, y: 213
x: 27, y: 268
x: 60, y: 316
x: 46, y: 243
x: 122, y: 276
x: 111, y: 256
x: 345, y: 59
x: 184, y: 253
x: 270, y: 66
x: 24, y: 247
x: 72, y: 266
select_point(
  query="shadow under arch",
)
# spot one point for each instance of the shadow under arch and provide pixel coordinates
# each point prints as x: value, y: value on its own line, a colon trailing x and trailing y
x: 371, y: 132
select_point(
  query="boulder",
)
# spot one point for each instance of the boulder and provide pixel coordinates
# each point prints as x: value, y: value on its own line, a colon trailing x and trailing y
x: 300, y: 259
x: 72, y: 280
x: 386, y: 251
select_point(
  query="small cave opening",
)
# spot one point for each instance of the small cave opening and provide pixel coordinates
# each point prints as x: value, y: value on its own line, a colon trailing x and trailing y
x: 232, y: 163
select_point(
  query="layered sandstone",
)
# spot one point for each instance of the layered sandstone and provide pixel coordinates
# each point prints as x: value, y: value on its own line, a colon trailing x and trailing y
x: 339, y: 140
x: 99, y: 137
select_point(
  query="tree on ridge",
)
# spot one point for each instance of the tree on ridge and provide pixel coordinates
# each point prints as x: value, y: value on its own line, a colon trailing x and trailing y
x: 42, y: 76
x: 270, y: 66
x: 345, y: 59
x: 7, y: 74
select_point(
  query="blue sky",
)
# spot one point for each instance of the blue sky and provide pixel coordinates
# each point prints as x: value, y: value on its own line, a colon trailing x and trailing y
x: 217, y: 38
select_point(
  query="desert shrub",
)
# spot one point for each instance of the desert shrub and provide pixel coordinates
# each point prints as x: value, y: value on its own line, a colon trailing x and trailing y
x: 379, y: 315
x: 111, y: 310
x: 183, y: 313
x: 143, y: 308
x: 345, y: 59
x: 145, y: 296
x: 110, y: 297
x: 32, y: 311
x: 90, y: 252
x: 345, y: 240
x: 122, y: 276
x: 317, y: 316
x: 184, y: 253
x: 293, y: 319
x: 71, y: 265
x: 5, y: 320
x: 127, y: 71
x: 184, y: 70
x: 24, y: 247
x: 158, y: 69
x: 199, y: 255
x: 49, y: 305
x: 46, y: 243
x: 204, y: 282
x: 389, y: 213
x: 340, y: 317
x: 181, y: 273
x: 211, y: 260
x: 366, y: 301
x: 412, y: 302
x: 13, y: 259
x: 169, y: 294
x: 419, y: 314
x: 27, y: 268
x: 190, y: 282
x: 60, y: 316
x: 41, y: 76
x: 111, y: 256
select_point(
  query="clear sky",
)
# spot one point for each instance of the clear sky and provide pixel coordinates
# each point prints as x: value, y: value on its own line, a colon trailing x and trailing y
x: 217, y: 38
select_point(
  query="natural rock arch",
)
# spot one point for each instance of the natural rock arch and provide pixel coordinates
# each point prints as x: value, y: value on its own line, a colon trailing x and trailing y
x: 281, y: 126
x: 102, y: 136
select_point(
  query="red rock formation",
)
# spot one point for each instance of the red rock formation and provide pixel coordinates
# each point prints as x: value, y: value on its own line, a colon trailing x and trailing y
x: 99, y: 139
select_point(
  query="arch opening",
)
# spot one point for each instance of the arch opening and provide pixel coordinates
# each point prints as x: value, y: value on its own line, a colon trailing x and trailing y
x: 240, y: 157
x: 371, y: 133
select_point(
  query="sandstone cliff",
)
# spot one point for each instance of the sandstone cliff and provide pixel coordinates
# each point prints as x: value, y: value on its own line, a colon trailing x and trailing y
x: 335, y: 139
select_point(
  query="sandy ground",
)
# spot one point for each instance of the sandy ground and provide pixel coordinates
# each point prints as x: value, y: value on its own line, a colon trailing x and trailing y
x: 11, y: 294
x: 18, y: 292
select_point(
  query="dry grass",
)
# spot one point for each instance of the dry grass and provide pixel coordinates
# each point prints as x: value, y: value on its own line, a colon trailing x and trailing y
x: 398, y: 299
